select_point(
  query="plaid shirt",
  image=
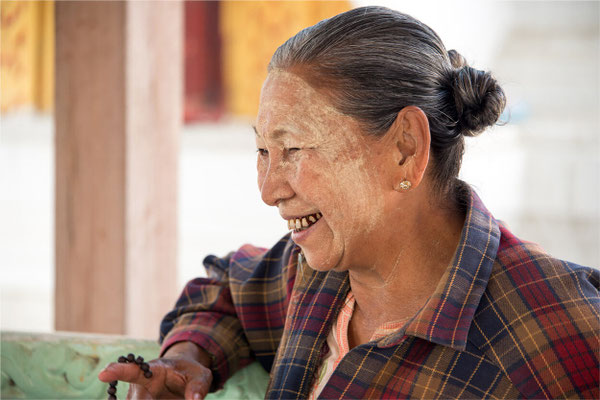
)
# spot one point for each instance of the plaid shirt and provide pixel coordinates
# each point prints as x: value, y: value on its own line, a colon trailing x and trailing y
x: 506, y: 321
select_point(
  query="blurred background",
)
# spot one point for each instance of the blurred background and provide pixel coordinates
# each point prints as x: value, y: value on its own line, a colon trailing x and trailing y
x: 539, y: 172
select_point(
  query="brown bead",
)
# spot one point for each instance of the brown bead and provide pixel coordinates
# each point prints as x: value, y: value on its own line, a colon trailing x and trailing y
x: 113, y: 383
x: 122, y: 359
x: 148, y: 374
x: 112, y: 397
x: 139, y: 360
x: 130, y: 357
x: 111, y: 390
x: 145, y: 367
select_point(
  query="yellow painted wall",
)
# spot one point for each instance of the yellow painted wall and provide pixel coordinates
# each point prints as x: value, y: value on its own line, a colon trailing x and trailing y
x: 26, y: 54
x: 251, y: 32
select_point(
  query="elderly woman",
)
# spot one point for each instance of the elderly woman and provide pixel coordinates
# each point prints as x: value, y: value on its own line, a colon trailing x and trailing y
x: 395, y: 280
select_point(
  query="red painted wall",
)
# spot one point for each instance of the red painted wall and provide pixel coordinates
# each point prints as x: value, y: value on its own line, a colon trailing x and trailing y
x: 203, y: 77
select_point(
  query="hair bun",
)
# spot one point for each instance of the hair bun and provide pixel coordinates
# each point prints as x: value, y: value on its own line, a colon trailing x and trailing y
x: 478, y: 97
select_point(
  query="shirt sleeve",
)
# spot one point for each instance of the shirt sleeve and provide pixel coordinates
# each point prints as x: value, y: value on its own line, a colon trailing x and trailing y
x: 242, y: 301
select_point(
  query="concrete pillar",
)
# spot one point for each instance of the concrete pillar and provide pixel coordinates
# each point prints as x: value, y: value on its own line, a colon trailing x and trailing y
x: 118, y: 113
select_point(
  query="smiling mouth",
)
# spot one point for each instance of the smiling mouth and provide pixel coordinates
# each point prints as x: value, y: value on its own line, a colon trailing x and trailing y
x: 300, y: 224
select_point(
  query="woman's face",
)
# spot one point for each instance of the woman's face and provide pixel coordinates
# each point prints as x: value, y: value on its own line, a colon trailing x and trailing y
x: 318, y: 167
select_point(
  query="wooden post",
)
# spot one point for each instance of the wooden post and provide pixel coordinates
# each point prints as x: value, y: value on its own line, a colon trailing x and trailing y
x: 118, y: 112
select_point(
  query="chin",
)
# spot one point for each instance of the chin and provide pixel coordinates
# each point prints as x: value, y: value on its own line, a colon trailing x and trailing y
x: 322, y: 262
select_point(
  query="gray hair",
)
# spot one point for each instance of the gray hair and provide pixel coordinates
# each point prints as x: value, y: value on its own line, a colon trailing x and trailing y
x: 374, y: 61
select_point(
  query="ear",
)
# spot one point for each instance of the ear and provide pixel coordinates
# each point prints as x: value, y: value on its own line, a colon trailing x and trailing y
x: 410, y: 133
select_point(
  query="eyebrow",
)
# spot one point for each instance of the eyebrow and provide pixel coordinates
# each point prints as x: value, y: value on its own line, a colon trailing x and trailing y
x: 277, y: 133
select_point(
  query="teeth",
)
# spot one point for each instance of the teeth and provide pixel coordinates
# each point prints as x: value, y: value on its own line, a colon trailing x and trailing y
x: 304, y: 222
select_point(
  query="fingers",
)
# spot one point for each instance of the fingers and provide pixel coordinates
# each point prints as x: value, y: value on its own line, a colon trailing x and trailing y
x: 197, y: 389
x: 199, y: 384
x: 138, y: 392
x: 122, y: 372
x: 171, y: 379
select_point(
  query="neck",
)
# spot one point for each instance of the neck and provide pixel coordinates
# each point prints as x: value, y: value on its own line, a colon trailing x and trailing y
x: 412, y: 259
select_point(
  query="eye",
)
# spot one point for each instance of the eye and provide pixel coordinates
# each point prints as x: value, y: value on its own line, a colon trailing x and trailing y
x: 262, y: 152
x: 293, y: 149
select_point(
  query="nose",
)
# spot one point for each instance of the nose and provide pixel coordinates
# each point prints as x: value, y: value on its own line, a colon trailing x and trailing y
x: 273, y: 184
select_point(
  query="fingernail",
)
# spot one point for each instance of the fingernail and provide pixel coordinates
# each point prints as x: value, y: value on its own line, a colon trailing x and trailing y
x: 196, y: 396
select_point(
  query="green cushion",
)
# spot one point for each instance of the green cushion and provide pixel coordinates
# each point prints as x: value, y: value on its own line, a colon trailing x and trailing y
x: 66, y: 366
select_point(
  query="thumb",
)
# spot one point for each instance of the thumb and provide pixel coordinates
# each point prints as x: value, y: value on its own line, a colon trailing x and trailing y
x: 197, y: 389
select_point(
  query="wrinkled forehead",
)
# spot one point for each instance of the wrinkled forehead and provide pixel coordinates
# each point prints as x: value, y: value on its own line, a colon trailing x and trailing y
x: 284, y: 84
x: 288, y: 103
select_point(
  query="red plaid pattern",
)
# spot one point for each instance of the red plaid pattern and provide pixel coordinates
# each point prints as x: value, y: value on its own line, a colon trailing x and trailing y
x: 506, y: 321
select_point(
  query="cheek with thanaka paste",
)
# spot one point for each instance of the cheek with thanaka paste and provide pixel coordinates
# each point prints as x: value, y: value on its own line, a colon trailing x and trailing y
x: 345, y: 183
x: 356, y: 176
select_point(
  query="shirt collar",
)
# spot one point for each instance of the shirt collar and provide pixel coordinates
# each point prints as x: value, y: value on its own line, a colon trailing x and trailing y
x: 447, y: 316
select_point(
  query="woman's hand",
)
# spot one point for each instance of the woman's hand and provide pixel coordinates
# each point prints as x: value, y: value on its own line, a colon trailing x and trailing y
x: 182, y: 372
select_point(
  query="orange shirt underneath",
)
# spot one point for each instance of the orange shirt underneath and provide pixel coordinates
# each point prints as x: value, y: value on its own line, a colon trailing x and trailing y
x: 337, y: 340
